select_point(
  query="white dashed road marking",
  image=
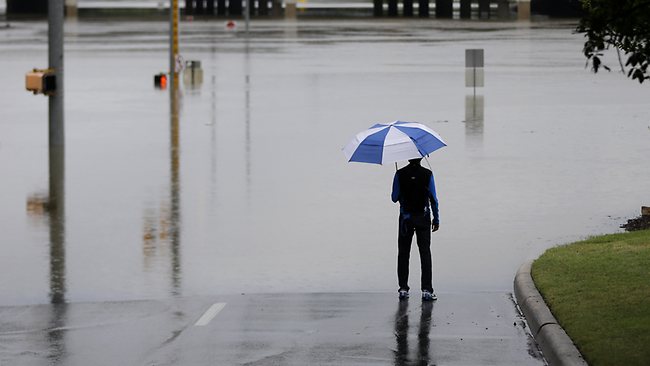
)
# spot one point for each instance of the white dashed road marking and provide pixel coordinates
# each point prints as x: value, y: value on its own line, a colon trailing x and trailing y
x: 209, y: 314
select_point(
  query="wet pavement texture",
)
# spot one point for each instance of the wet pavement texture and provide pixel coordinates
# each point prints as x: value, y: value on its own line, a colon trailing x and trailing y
x: 167, y: 206
x: 274, y: 329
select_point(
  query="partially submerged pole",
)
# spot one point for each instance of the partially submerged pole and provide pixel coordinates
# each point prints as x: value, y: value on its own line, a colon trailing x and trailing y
x: 56, y: 203
x: 173, y: 44
x: 444, y: 9
x: 465, y: 9
x: 247, y: 15
x: 55, y: 62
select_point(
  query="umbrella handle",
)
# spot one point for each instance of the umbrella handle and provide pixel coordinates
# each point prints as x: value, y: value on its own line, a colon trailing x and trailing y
x: 427, y: 160
x: 395, y: 166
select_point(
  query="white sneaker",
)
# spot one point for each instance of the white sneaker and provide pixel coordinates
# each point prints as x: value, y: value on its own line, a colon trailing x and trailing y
x: 429, y: 296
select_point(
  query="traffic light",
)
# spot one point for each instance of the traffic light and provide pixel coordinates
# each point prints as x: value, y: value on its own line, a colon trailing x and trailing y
x: 160, y: 81
x: 41, y: 81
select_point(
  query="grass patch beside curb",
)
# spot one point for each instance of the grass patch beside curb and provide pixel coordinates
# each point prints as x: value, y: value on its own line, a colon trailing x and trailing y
x: 599, y: 291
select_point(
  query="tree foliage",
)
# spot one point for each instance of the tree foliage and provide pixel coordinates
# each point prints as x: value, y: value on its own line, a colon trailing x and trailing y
x: 622, y: 24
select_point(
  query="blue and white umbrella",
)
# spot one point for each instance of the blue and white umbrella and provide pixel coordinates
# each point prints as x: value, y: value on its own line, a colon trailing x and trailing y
x: 392, y: 142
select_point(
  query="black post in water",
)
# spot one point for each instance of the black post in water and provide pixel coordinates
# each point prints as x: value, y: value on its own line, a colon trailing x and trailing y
x: 408, y: 8
x: 444, y: 9
x: 392, y: 8
x: 235, y: 7
x: 503, y: 11
x: 483, y: 9
x: 253, y: 8
x: 377, y: 8
x: 465, y: 9
x: 423, y: 8
x: 276, y: 8
x: 263, y: 7
x: 221, y: 7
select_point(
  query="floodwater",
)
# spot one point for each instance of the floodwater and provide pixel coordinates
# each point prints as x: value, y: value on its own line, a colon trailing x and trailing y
x: 247, y: 191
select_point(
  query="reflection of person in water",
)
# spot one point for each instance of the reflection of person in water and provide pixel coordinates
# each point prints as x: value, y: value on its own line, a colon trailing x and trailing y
x: 423, y: 334
x: 402, y: 333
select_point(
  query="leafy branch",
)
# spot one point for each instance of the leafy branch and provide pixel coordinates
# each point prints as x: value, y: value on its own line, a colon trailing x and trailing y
x: 622, y: 24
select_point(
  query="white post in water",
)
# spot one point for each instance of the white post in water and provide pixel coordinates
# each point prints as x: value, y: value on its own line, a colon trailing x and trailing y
x: 474, y: 105
x: 474, y: 68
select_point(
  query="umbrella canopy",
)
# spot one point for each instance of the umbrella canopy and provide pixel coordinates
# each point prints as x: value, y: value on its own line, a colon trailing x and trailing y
x: 392, y: 142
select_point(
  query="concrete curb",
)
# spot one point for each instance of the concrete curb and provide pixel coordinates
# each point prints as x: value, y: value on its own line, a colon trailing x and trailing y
x: 556, y: 345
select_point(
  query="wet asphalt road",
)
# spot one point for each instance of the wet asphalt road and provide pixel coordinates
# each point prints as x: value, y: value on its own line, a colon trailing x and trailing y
x: 277, y: 329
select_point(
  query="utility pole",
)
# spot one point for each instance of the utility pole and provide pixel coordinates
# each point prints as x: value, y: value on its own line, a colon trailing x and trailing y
x: 173, y: 45
x: 56, y: 204
x: 174, y: 94
x: 247, y: 15
x: 55, y: 107
x: 55, y: 59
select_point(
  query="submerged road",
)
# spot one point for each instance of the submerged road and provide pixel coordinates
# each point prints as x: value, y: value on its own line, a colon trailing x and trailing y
x: 278, y: 329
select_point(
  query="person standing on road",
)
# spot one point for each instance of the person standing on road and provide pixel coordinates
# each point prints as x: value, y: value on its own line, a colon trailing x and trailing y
x: 414, y: 188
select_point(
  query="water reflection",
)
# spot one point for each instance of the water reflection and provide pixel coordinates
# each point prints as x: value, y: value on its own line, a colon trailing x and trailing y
x: 161, y: 234
x: 193, y: 76
x: 422, y: 354
x: 213, y: 129
x: 290, y: 28
x: 423, y: 333
x: 51, y: 208
x: 56, y: 333
x: 402, y: 333
x: 247, y: 107
x: 474, y: 118
x: 37, y: 208
x: 56, y: 214
x: 174, y: 195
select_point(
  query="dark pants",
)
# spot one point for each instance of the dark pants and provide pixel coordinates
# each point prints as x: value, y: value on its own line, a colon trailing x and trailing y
x: 421, y: 226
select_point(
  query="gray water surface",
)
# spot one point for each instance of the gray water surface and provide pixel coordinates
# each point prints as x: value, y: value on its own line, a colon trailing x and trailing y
x: 257, y: 196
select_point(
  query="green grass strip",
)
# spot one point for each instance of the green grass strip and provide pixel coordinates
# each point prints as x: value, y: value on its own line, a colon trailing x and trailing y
x: 599, y: 291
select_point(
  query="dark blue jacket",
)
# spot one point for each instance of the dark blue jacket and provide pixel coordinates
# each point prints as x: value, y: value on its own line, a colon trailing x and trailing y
x: 415, y: 189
